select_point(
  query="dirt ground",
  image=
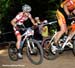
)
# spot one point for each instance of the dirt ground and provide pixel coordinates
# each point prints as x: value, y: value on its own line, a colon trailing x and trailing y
x: 65, y: 60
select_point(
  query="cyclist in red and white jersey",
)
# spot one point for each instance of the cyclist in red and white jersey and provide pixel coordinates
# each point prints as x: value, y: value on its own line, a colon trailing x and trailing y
x: 19, y: 19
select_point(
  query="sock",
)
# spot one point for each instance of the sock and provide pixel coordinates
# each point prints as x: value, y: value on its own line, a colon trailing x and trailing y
x: 19, y: 50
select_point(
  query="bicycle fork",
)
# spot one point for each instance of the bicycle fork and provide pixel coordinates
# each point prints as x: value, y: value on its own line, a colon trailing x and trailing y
x: 30, y: 48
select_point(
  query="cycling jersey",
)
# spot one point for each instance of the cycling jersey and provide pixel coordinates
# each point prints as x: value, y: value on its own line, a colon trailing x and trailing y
x: 20, y: 18
x: 61, y: 15
x: 71, y: 5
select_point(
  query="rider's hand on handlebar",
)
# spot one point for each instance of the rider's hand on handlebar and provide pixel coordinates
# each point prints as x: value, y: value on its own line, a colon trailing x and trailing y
x: 70, y: 16
x: 34, y: 27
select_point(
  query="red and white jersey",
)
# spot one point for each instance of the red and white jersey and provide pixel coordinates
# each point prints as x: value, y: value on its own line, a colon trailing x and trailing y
x: 71, y: 5
x: 21, y: 17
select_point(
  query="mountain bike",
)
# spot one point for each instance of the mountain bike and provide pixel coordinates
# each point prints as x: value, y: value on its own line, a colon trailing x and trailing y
x: 34, y: 50
x: 50, y: 52
x: 53, y: 51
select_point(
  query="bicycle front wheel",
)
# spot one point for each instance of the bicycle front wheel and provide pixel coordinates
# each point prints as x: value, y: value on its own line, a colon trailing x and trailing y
x: 48, y: 52
x: 74, y: 47
x: 35, y: 55
x: 12, y: 52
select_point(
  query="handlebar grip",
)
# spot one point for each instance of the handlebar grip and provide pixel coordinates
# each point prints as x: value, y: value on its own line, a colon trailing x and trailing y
x: 52, y: 22
x: 71, y: 17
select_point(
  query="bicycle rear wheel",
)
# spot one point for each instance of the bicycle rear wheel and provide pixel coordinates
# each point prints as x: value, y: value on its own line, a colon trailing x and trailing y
x: 12, y: 52
x: 36, y: 57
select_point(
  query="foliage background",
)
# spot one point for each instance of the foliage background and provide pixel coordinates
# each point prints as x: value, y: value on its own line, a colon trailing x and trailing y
x: 9, y: 8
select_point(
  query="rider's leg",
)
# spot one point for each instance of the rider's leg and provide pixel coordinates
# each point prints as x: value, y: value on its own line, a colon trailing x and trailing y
x: 60, y: 33
x: 18, y: 41
x: 62, y: 24
x: 18, y: 36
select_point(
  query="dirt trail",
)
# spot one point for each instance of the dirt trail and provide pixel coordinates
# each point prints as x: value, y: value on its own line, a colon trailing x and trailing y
x: 65, y: 60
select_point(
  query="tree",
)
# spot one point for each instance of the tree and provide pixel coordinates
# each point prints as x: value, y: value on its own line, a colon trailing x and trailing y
x: 53, y: 5
x: 4, y: 5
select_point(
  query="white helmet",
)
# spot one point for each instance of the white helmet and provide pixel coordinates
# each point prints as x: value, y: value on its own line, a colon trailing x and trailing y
x: 26, y: 8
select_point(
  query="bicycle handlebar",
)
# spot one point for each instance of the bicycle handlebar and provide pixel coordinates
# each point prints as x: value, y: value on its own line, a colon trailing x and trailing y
x: 50, y: 23
x: 72, y: 18
x: 53, y: 22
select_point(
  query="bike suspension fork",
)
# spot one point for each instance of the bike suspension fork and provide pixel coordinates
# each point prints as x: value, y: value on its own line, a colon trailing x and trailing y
x: 28, y: 42
x: 32, y: 43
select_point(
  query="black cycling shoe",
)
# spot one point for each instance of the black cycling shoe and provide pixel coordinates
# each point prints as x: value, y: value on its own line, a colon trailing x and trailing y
x: 19, y: 54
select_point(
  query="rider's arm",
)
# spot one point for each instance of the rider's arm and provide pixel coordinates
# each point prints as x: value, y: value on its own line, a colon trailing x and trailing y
x: 64, y: 2
x: 32, y: 20
x: 66, y: 8
x: 73, y: 11
x: 13, y: 22
x: 18, y: 17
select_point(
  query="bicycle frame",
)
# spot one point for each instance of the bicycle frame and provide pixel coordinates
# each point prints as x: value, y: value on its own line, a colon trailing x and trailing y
x: 66, y: 43
x: 29, y: 32
x: 53, y: 37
